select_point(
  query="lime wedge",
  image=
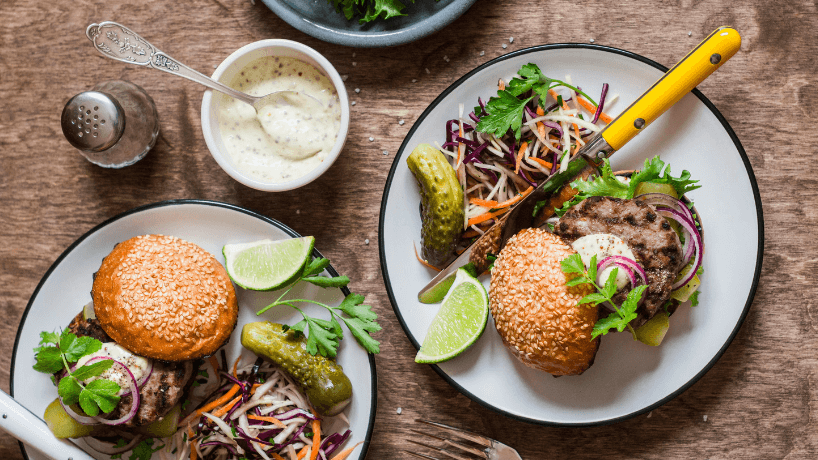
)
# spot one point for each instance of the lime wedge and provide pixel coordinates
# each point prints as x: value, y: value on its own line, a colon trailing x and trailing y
x: 459, y: 322
x: 652, y: 332
x: 267, y: 265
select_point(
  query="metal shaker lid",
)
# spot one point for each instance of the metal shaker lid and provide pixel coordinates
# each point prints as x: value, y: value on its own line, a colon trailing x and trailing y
x: 93, y: 121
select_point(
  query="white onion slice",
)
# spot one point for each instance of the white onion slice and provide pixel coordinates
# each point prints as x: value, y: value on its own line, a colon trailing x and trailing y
x: 108, y: 448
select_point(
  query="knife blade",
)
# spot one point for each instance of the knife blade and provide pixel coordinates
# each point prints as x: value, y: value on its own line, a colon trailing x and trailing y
x: 696, y: 66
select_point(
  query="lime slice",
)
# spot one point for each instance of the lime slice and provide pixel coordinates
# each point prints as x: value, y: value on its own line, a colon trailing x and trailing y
x: 652, y: 332
x: 459, y: 322
x: 267, y: 265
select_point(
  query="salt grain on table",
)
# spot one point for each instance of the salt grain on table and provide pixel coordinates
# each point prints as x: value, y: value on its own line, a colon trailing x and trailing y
x: 386, y: 152
x: 511, y: 39
x: 353, y: 103
x: 366, y: 241
x: 505, y: 46
x: 705, y: 418
x: 427, y: 70
x: 371, y: 139
x: 399, y: 410
x: 354, y: 63
x: 482, y: 53
x: 357, y: 90
x: 401, y: 122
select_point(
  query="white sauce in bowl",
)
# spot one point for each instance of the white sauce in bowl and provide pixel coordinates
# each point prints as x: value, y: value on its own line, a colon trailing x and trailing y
x: 302, y: 136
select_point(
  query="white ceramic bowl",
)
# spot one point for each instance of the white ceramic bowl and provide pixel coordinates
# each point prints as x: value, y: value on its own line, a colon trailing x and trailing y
x: 225, y: 73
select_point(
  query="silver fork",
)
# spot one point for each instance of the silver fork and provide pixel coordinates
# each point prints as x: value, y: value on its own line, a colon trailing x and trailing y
x: 489, y: 449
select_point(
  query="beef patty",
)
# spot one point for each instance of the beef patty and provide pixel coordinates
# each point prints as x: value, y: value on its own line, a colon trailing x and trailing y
x: 649, y: 235
x: 163, y: 389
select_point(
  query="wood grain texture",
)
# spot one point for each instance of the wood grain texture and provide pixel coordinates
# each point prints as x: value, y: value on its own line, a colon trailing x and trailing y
x: 758, y: 399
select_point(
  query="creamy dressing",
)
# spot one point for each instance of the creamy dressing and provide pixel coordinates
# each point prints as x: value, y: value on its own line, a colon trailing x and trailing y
x: 603, y: 245
x: 138, y: 365
x: 289, y: 137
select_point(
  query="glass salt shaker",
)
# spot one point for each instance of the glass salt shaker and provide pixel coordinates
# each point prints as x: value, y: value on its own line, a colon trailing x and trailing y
x: 114, y: 125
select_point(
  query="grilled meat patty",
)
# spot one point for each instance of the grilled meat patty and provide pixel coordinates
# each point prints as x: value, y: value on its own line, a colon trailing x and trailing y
x: 163, y: 389
x: 649, y: 235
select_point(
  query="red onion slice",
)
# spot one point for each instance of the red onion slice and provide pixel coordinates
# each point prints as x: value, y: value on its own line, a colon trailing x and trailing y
x: 693, y: 237
x: 661, y: 199
x: 629, y: 265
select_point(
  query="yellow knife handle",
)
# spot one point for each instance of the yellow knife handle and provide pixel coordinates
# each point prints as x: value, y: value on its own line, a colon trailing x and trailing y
x: 711, y: 53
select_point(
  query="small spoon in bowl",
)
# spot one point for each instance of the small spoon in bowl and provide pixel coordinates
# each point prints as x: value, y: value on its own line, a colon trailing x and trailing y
x: 118, y: 42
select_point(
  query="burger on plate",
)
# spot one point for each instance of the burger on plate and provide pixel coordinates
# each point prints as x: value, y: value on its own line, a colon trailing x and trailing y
x: 160, y: 304
x: 639, y: 224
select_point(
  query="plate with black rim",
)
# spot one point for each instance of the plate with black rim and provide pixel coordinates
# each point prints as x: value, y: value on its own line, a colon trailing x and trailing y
x: 319, y: 19
x: 66, y: 286
x: 627, y: 377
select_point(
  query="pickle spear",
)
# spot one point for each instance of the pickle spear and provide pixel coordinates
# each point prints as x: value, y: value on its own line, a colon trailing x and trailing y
x: 441, y: 199
x: 322, y: 380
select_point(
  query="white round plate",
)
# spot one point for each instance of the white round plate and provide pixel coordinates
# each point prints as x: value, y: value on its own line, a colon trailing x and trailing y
x: 66, y: 287
x: 627, y: 378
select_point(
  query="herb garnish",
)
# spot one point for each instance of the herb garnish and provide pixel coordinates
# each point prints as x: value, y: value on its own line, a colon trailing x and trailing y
x: 324, y: 335
x: 623, y: 315
x: 57, y: 352
x: 506, y: 110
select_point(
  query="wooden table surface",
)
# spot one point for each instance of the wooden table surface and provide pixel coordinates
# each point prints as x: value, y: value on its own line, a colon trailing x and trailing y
x: 760, y: 399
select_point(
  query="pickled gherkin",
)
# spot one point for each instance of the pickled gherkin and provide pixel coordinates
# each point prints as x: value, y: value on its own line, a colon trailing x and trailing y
x: 441, y: 199
x: 321, y: 379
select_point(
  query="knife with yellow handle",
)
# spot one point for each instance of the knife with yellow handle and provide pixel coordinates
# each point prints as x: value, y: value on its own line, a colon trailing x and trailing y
x: 711, y: 53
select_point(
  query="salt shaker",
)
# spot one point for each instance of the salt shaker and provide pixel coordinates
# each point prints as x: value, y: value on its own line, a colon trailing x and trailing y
x: 114, y: 125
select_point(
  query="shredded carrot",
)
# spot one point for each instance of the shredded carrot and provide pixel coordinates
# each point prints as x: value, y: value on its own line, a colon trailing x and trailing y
x: 345, y: 453
x: 215, y: 363
x: 303, y: 453
x: 576, y: 133
x: 226, y: 408
x: 316, y: 438
x: 426, y: 264
x: 211, y: 405
x: 520, y: 154
x: 486, y: 216
x: 540, y: 111
x: 262, y: 418
x: 592, y: 108
x: 236, y: 365
x: 255, y: 386
x: 495, y: 205
x: 276, y: 456
x: 193, y: 453
x: 501, y: 84
x: 541, y: 161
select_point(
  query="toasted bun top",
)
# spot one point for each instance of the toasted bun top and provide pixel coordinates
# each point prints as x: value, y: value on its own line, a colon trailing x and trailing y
x: 534, y: 311
x: 164, y: 298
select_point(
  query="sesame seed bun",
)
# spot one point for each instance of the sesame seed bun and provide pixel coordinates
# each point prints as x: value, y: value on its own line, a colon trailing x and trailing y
x: 164, y: 298
x: 534, y: 311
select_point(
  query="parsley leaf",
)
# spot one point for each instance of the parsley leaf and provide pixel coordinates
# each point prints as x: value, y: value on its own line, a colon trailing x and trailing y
x: 55, y: 354
x: 323, y: 335
x: 337, y: 281
x: 504, y: 112
x: 623, y: 315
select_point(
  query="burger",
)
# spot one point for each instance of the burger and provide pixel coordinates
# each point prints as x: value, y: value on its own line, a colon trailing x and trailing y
x: 634, y: 223
x: 160, y: 304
